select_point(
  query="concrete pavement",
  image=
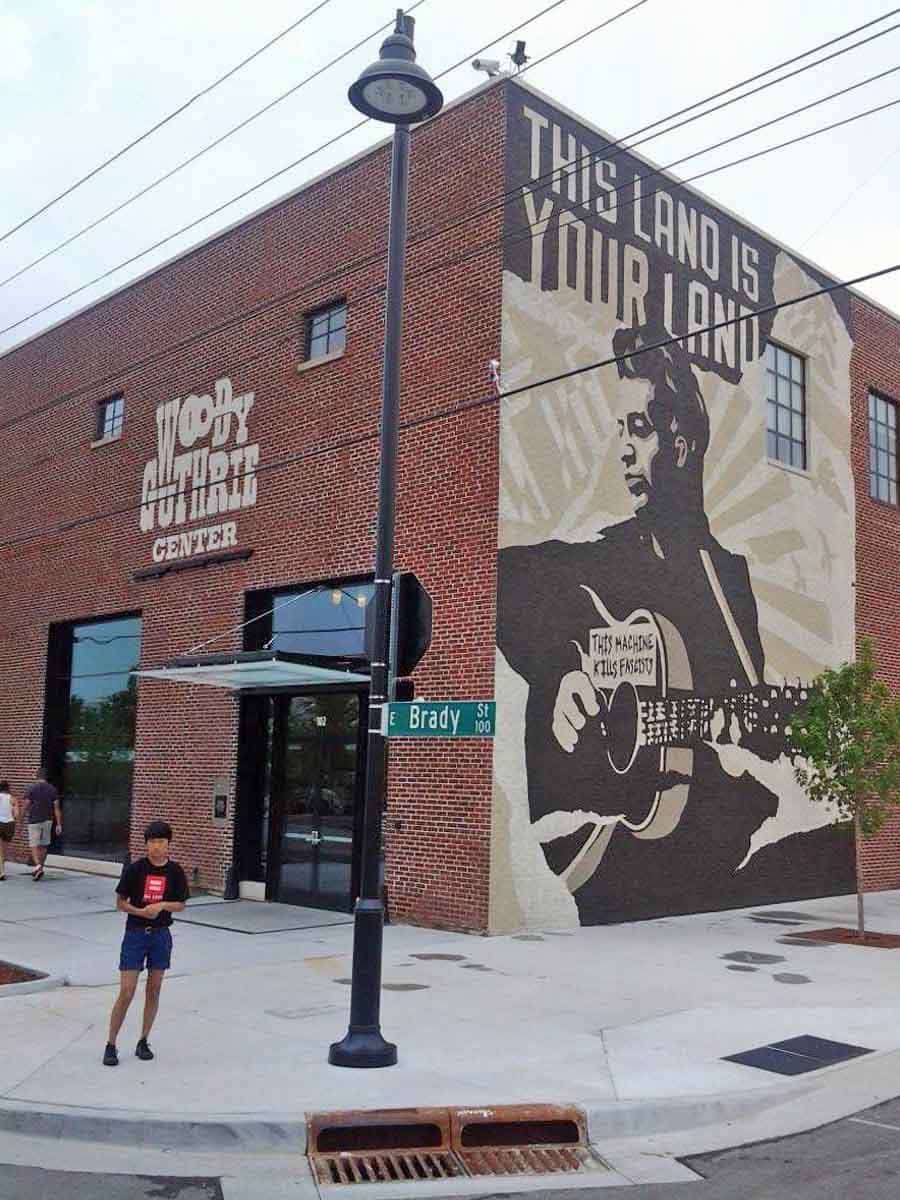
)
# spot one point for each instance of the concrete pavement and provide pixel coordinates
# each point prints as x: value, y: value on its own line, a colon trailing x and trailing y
x: 631, y: 1021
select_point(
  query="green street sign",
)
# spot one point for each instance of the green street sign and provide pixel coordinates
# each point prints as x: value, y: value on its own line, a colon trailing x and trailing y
x: 442, y: 718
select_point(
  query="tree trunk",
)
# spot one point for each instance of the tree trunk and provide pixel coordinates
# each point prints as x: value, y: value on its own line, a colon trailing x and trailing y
x: 860, y: 909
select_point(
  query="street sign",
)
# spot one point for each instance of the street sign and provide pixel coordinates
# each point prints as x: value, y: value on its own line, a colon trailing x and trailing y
x: 442, y: 718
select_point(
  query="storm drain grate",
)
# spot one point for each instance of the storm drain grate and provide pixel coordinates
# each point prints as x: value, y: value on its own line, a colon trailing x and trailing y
x: 384, y: 1168
x: 530, y: 1160
x: 419, y: 1145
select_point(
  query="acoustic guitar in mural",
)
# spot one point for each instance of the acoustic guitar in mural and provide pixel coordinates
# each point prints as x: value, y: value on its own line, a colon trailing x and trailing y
x: 651, y: 721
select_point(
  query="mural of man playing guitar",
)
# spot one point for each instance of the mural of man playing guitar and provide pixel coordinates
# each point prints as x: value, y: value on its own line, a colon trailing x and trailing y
x: 642, y: 652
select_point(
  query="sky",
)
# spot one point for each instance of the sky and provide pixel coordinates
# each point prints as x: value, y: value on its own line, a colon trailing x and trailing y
x: 79, y: 80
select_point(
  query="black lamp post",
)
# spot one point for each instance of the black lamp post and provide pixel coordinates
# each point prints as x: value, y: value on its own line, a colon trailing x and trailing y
x: 396, y: 90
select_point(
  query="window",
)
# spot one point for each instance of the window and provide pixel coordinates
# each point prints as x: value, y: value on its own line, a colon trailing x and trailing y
x: 327, y: 620
x: 110, y: 418
x: 326, y: 331
x: 883, y: 462
x: 89, y: 730
x: 785, y: 406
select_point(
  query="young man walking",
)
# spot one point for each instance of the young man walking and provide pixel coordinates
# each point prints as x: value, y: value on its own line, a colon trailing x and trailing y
x: 149, y: 891
x: 41, y: 803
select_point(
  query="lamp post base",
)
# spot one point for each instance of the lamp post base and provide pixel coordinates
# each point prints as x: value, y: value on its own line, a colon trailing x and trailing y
x: 362, y: 1048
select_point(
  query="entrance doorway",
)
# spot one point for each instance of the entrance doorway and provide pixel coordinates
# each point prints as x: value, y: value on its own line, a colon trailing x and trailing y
x: 315, y: 800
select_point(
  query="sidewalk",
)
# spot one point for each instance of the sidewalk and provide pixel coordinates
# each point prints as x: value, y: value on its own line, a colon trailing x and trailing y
x: 630, y: 1021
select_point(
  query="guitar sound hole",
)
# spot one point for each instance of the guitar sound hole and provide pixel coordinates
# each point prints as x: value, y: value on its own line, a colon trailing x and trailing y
x: 622, y: 726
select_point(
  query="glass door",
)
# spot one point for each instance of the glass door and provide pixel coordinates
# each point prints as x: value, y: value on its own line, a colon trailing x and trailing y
x: 317, y: 802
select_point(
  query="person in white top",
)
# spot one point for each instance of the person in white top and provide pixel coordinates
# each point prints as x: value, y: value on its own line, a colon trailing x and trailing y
x: 8, y: 814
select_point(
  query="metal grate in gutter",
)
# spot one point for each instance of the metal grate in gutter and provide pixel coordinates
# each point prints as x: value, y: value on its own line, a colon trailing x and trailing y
x: 421, y: 1145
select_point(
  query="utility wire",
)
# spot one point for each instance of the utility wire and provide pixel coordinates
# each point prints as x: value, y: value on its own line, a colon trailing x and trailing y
x: 165, y: 120
x: 204, y: 150
x: 625, y: 144
x: 284, y: 95
x: 485, y: 247
x: 465, y: 406
x: 526, y: 235
x: 618, y: 146
x: 850, y: 195
x: 290, y: 166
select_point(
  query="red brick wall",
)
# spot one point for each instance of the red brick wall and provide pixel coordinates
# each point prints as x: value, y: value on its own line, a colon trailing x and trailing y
x: 314, y: 519
x: 876, y: 364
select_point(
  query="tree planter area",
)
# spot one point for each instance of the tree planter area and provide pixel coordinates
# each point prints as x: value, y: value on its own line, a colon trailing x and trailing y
x: 10, y: 973
x: 852, y: 937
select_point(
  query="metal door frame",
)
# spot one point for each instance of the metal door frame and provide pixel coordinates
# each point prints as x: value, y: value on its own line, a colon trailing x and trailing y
x: 280, y: 706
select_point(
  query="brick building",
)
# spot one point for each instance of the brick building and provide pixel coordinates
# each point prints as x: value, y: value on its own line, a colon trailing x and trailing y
x: 191, y: 470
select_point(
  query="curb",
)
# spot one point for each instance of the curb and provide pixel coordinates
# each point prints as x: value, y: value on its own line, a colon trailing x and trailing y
x: 232, y: 1132
x: 622, y: 1119
x: 46, y: 982
x: 287, y: 1131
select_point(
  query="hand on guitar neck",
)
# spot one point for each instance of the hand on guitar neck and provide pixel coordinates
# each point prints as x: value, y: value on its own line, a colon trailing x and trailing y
x: 757, y: 719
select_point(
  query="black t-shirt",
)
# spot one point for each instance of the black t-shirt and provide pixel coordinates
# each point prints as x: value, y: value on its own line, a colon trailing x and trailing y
x: 142, y: 883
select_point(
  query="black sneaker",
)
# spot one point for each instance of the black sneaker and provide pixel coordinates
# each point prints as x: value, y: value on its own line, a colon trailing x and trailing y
x: 110, y: 1056
x: 142, y: 1050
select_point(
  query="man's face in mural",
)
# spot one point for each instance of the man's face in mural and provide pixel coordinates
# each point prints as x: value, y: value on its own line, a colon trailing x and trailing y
x: 639, y: 440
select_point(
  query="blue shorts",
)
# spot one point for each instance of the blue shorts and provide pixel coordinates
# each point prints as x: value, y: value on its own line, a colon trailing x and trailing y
x: 148, y: 945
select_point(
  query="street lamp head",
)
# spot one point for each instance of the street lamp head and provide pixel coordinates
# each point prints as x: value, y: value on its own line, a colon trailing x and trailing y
x: 396, y: 89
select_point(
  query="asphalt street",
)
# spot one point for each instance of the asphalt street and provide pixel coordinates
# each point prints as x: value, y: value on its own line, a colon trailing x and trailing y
x: 854, y: 1159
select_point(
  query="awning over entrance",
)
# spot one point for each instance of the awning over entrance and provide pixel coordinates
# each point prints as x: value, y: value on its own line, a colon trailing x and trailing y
x: 260, y: 670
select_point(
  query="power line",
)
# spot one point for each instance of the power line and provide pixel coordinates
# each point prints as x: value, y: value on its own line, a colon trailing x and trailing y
x: 165, y: 120
x: 205, y: 150
x: 843, y: 204
x: 290, y: 166
x: 618, y: 146
x: 625, y: 144
x: 466, y: 406
x: 507, y: 239
x: 533, y: 232
x: 359, y: 263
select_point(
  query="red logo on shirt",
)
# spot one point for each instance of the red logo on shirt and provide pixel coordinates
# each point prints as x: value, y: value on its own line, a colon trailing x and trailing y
x: 154, y: 888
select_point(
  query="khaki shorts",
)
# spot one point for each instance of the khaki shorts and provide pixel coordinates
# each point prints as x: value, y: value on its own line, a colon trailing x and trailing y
x: 39, y: 834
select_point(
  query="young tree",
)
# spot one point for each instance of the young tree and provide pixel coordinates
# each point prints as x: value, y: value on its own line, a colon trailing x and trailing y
x: 848, y: 735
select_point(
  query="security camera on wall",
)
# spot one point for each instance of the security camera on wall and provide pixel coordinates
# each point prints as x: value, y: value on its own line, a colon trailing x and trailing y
x: 490, y: 66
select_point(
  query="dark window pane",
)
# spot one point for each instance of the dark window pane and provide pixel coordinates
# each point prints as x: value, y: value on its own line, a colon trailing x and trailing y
x: 326, y: 620
x: 98, y: 735
x: 771, y: 447
x: 106, y: 647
